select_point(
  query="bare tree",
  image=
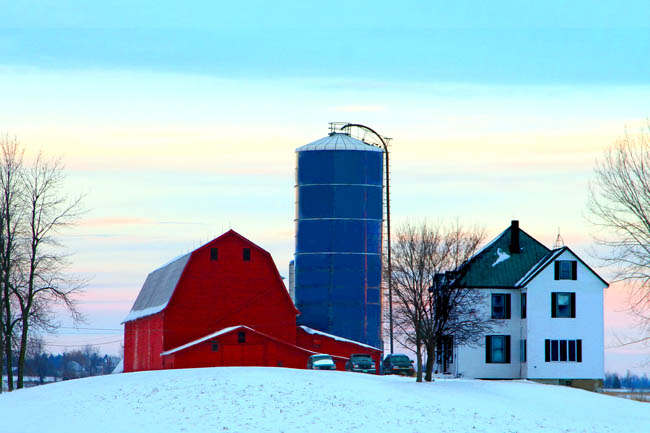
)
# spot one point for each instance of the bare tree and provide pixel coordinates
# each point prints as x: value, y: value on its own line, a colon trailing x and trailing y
x: 11, y: 165
x: 47, y: 210
x: 619, y: 207
x: 429, y: 303
x: 33, y: 210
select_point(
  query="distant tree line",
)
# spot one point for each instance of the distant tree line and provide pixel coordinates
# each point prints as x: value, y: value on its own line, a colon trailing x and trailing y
x: 42, y: 367
x: 629, y: 381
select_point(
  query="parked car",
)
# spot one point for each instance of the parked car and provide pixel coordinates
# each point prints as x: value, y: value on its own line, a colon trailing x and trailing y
x: 321, y: 361
x: 398, y: 364
x: 361, y: 362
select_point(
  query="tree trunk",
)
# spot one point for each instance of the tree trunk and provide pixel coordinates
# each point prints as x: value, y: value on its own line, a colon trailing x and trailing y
x: 430, y: 361
x: 22, y: 354
x: 2, y: 351
x: 418, y: 347
x: 8, y: 352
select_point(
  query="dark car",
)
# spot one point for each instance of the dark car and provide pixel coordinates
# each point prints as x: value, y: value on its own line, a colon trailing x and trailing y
x: 398, y: 364
x: 361, y: 362
x: 321, y: 361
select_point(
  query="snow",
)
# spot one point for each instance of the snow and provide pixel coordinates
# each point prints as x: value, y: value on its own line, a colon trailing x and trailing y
x: 335, y: 337
x: 143, y: 313
x: 119, y: 368
x: 264, y: 399
x: 202, y: 339
x: 501, y: 257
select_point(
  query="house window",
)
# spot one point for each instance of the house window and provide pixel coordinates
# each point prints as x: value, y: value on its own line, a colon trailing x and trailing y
x: 563, y: 304
x: 522, y: 351
x: 241, y: 337
x: 501, y: 305
x: 563, y: 350
x: 247, y: 254
x: 497, y: 349
x: 523, y: 305
x: 566, y: 269
x: 215, y: 346
x: 214, y: 254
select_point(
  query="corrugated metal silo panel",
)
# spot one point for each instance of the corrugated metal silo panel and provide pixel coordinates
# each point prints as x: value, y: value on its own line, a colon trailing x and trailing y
x: 339, y: 211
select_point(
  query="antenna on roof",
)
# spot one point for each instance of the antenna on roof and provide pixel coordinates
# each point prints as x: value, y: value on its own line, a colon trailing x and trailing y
x: 559, y: 242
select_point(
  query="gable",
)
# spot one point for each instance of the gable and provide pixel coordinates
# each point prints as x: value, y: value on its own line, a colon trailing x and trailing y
x: 160, y: 285
x: 558, y: 254
x: 494, y: 266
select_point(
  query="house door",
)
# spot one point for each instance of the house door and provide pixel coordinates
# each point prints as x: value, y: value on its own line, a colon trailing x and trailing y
x: 445, y: 353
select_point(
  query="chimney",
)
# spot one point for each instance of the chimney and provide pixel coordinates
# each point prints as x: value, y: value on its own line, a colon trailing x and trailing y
x: 514, y: 237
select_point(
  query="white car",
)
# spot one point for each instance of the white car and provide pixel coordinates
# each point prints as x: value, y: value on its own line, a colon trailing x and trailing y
x: 321, y: 361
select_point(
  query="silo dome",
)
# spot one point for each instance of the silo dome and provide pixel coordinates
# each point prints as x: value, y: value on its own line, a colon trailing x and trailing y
x: 338, y: 258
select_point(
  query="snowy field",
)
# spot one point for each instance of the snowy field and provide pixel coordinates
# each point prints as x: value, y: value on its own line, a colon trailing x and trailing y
x: 257, y: 399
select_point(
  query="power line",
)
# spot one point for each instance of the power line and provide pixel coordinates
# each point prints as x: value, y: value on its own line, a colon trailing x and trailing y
x: 90, y: 329
x: 85, y: 344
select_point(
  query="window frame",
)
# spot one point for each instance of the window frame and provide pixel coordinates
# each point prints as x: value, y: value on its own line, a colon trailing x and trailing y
x: 556, y: 313
x: 564, y: 273
x: 562, y: 350
x: 489, y: 349
x: 506, y: 306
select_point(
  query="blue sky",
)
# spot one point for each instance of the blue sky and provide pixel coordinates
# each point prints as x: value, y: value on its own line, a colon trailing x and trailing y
x: 179, y: 121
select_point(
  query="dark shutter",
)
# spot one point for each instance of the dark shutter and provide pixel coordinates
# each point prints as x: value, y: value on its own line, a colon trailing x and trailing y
x: 214, y: 253
x: 508, y: 306
x: 579, y: 350
x: 554, y: 304
x: 508, y: 346
x: 573, y: 305
x: 523, y: 305
x: 547, y: 350
x: 488, y: 349
x: 246, y: 254
x: 557, y: 270
x: 574, y: 270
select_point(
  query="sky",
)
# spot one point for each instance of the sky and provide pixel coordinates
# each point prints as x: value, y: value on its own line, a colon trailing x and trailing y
x: 178, y: 121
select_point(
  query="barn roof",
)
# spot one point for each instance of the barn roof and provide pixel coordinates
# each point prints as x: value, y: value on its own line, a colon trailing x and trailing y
x: 160, y: 284
x: 230, y: 329
x: 158, y: 289
x: 494, y: 266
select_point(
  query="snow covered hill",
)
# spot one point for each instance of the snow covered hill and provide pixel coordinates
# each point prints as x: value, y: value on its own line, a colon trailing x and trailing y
x: 257, y: 399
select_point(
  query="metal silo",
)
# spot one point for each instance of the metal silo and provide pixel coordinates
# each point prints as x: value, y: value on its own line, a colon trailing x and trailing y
x: 339, y: 210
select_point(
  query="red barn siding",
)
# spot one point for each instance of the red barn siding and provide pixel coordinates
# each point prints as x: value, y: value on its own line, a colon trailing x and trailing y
x: 227, y: 292
x: 258, y: 350
x: 212, y: 295
x: 143, y: 342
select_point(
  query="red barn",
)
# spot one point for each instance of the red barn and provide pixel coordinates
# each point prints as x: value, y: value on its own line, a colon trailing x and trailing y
x: 222, y: 304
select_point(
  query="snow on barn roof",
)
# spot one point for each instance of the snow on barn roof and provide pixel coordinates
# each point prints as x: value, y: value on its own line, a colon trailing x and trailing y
x: 338, y: 141
x: 202, y: 339
x: 158, y: 289
x: 335, y: 337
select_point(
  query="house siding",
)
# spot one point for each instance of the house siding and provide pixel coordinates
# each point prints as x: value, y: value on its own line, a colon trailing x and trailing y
x: 587, y: 325
x: 471, y: 360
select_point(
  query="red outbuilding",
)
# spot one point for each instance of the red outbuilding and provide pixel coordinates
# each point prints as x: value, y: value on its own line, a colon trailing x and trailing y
x: 223, y: 304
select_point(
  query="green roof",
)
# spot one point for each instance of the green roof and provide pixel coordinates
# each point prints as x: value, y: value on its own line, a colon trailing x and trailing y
x: 494, y: 265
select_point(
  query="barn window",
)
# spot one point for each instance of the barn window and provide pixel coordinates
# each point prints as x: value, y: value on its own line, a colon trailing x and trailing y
x: 247, y: 254
x: 215, y: 346
x: 241, y: 337
x: 214, y: 253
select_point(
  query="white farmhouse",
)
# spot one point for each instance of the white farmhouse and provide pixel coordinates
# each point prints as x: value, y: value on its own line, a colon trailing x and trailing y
x: 548, y: 310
